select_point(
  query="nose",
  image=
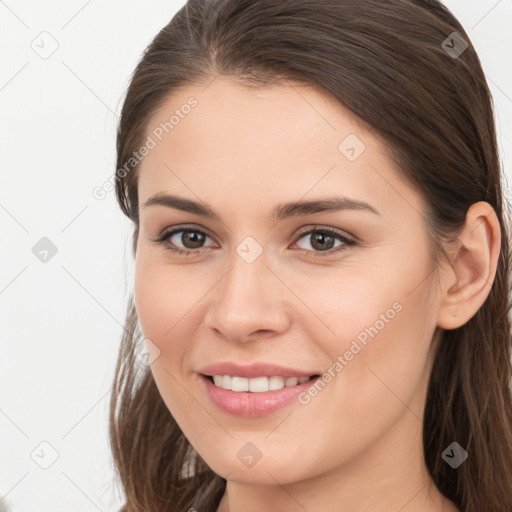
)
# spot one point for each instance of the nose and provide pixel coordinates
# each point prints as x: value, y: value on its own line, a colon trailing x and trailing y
x: 249, y: 303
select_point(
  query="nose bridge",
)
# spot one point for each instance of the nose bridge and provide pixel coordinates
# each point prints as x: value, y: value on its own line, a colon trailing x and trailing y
x: 243, y: 285
x: 246, y: 300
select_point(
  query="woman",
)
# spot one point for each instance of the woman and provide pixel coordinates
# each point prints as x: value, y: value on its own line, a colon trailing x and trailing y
x: 322, y: 265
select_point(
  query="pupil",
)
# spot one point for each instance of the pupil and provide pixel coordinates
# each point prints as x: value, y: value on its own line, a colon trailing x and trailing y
x: 323, y: 238
x: 192, y: 237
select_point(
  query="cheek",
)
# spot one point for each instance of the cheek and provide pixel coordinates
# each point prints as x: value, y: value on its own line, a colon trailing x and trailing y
x: 149, y: 296
x: 164, y: 298
x: 383, y: 327
x: 167, y: 299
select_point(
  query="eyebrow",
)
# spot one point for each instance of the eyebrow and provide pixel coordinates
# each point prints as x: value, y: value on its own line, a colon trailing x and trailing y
x: 279, y: 213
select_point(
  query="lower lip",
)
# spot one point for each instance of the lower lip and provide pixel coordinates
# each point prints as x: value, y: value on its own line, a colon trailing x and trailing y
x: 252, y: 405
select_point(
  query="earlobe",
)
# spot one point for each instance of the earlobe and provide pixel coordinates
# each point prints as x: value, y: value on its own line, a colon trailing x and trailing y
x: 467, y: 281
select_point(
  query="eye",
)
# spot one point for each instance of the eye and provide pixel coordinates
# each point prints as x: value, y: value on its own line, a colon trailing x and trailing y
x: 323, y: 239
x: 192, y: 240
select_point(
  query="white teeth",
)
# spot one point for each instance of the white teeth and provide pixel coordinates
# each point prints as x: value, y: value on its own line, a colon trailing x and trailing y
x: 256, y: 385
x: 275, y: 383
x: 226, y: 381
x: 239, y: 384
x: 291, y: 381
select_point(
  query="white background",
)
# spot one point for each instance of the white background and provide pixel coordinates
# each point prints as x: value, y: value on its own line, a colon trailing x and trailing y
x: 61, y: 320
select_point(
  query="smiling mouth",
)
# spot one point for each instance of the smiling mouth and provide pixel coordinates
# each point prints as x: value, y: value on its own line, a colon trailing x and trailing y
x: 256, y: 384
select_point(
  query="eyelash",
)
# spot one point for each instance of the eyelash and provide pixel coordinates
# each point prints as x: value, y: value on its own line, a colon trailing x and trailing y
x: 164, y: 237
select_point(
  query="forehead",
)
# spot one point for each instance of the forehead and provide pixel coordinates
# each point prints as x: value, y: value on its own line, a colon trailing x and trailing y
x: 224, y: 140
x: 274, y: 117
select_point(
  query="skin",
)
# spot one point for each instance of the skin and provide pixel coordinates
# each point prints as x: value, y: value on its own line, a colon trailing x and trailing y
x: 356, y: 446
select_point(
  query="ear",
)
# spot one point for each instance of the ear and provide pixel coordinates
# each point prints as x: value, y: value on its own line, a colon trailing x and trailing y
x: 466, y: 283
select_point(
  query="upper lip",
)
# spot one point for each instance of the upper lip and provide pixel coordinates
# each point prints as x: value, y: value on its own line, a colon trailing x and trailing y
x: 253, y: 370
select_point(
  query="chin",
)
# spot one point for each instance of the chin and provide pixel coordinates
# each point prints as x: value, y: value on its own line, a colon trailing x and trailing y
x: 265, y: 471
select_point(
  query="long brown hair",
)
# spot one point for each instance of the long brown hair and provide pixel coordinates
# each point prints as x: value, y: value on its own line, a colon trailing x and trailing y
x: 388, y: 62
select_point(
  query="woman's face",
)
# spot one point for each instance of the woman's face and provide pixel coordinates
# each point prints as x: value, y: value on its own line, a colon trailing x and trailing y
x: 261, y: 283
